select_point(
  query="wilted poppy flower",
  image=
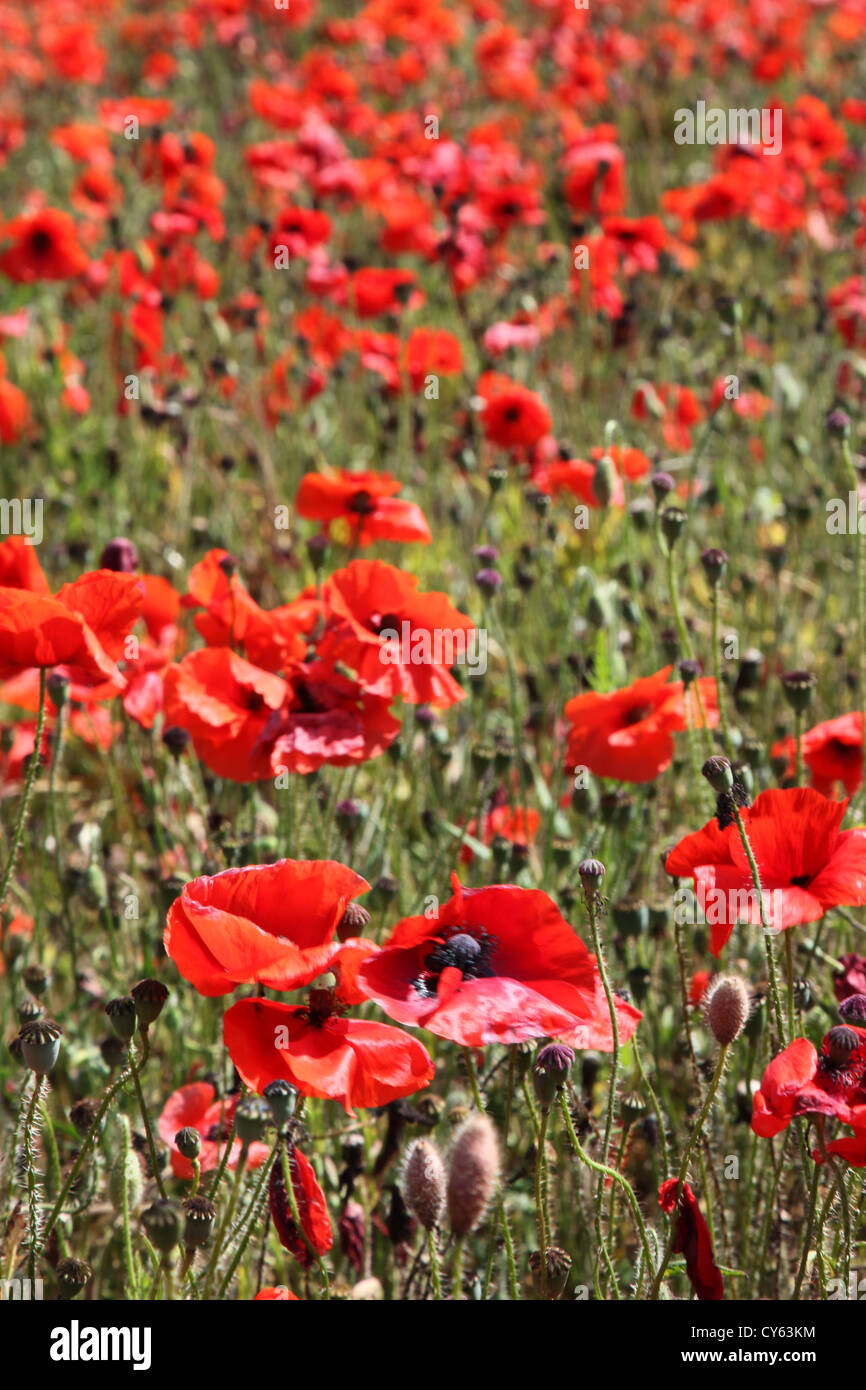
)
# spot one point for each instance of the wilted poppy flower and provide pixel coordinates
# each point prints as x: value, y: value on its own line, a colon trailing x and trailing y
x: 806, y: 863
x: 224, y: 703
x: 802, y: 1081
x: 196, y: 1107
x: 692, y: 1239
x: 493, y: 964
x: 354, y: 1061
x: 41, y: 246
x: 832, y: 751
x: 627, y: 734
x: 325, y: 718
x: 365, y: 503
x: 513, y: 416
x: 269, y: 924
x: 397, y: 640
x: 317, y: 1237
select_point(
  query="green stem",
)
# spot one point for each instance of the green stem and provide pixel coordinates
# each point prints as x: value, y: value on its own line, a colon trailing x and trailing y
x: 18, y: 832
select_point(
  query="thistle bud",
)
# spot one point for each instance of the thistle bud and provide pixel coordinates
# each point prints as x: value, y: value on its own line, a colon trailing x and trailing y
x: 424, y: 1183
x: 472, y: 1173
x: 726, y: 1008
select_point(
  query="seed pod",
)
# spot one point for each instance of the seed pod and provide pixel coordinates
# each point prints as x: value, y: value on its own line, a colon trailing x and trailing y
x: 472, y: 1174
x: 726, y: 1008
x: 424, y: 1182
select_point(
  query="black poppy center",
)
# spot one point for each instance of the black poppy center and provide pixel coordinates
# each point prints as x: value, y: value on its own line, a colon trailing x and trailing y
x: 385, y: 622
x: 362, y: 503
x: 306, y: 700
x: 801, y: 881
x: 637, y: 714
x: 467, y: 949
x: 511, y: 414
x: 254, y: 701
x: 41, y: 242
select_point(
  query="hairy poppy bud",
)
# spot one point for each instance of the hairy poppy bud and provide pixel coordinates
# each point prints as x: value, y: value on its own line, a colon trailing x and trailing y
x: 200, y: 1215
x: 726, y: 1008
x: 473, y: 1172
x: 40, y: 1045
x: 424, y: 1182
x: 161, y: 1222
x: 719, y: 774
x: 188, y: 1141
x: 123, y: 1016
x: 150, y: 997
x: 550, y: 1072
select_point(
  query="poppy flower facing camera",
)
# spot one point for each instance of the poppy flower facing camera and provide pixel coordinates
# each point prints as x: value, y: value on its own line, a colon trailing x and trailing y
x: 494, y: 964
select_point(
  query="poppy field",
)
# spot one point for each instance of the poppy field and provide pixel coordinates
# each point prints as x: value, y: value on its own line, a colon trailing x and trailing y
x: 433, y: 651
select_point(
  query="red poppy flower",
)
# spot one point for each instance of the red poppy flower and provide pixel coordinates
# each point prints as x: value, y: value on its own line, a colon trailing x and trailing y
x: 195, y: 1106
x: 82, y: 628
x: 20, y: 568
x: 692, y: 1239
x: 14, y: 409
x: 354, y: 1061
x: 232, y: 618
x: 518, y: 825
x: 366, y: 503
x: 806, y: 863
x: 495, y: 964
x: 513, y: 416
x: 43, y: 246
x: 397, y: 640
x: 325, y: 718
x: 310, y: 1204
x: 627, y: 734
x: 224, y: 703
x: 832, y: 751
x: 268, y: 924
x: 801, y: 1081
x: 432, y: 351
x: 277, y: 1293
x: 371, y: 291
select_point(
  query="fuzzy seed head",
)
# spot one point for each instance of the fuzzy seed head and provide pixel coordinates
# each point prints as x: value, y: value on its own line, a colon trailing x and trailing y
x: 472, y: 1174
x: 726, y: 1008
x: 424, y: 1183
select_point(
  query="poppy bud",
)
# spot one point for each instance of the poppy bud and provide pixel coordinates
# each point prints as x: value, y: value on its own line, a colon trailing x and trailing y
x: 853, y: 1009
x: 591, y: 872
x: 472, y: 1174
x: 252, y: 1118
x: 639, y: 982
x: 550, y: 1072
x: 424, y: 1183
x: 161, y: 1222
x: 120, y: 555
x: 150, y: 997
x: 228, y: 564
x: 200, y: 1215
x: 838, y: 423
x: 72, y: 1277
x: 726, y: 1008
x: 799, y: 688
x: 126, y: 1181
x: 496, y: 479
x: 689, y: 669
x: 719, y: 774
x: 347, y: 814
x: 715, y: 562
x: 603, y: 480
x: 40, y: 1045
x: 673, y: 523
x: 122, y: 1016
x: 282, y: 1097
x: 175, y: 739
x: 488, y: 581
x: 188, y: 1141
x: 662, y: 484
